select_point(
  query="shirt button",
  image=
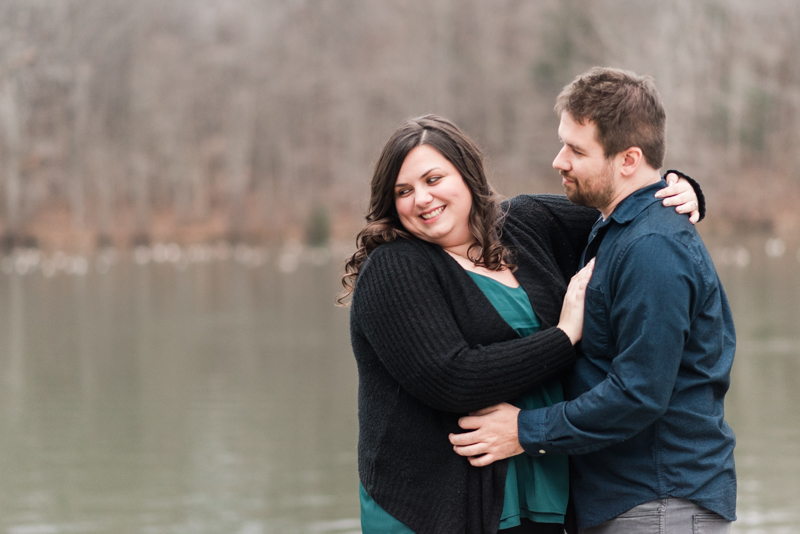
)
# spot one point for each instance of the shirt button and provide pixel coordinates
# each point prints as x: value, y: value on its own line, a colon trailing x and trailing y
x: 541, y: 451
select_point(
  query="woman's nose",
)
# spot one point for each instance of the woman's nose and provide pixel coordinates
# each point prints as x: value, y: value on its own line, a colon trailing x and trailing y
x: 423, y: 196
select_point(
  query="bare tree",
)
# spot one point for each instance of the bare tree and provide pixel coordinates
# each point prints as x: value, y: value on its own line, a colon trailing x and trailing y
x: 258, y: 118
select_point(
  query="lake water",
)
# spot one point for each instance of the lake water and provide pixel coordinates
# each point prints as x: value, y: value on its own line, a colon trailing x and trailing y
x: 212, y: 390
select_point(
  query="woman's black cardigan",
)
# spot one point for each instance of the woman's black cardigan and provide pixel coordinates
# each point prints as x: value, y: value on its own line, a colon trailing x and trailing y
x: 430, y: 347
x: 426, y: 342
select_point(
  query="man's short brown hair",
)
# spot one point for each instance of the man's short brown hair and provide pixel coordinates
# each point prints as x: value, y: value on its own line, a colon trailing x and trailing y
x: 625, y: 107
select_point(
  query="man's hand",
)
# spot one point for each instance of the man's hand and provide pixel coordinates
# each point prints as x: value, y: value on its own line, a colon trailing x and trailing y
x: 494, y: 435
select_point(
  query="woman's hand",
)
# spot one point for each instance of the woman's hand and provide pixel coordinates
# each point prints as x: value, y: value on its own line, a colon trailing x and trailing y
x: 680, y: 193
x: 571, y: 320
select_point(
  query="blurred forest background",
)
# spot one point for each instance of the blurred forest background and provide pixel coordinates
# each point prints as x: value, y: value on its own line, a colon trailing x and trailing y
x: 129, y: 122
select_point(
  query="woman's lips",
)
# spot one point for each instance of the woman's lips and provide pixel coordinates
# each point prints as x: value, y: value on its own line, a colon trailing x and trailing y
x: 428, y: 215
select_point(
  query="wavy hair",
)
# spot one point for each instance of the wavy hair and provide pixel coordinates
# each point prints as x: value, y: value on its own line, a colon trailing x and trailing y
x: 383, y: 224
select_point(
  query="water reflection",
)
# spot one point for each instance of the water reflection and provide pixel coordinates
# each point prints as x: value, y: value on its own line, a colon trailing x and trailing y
x: 217, y: 398
x: 212, y: 390
x: 763, y: 405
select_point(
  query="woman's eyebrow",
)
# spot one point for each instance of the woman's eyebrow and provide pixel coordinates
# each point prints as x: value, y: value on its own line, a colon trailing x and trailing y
x: 426, y: 173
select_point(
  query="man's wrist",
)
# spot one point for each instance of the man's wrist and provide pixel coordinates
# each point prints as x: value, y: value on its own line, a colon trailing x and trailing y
x: 531, y: 431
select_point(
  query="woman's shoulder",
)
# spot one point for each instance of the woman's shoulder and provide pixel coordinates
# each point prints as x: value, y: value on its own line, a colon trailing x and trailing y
x: 400, y: 254
x: 395, y: 270
x: 400, y: 248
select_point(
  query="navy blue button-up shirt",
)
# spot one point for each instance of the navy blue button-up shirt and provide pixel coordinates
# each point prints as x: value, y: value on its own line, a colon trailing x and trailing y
x: 646, y: 419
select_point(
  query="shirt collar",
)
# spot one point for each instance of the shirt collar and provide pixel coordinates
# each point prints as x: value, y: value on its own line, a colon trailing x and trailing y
x: 636, y: 202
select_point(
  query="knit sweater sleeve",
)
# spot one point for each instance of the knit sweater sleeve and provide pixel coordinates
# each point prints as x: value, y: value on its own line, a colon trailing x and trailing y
x: 701, y: 198
x: 402, y: 310
x: 566, y: 225
x: 571, y: 224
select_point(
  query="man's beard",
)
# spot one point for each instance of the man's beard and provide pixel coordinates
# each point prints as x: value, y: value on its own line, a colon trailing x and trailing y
x: 594, y: 191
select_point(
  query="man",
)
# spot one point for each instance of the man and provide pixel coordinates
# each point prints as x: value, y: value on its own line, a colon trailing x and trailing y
x: 651, y: 451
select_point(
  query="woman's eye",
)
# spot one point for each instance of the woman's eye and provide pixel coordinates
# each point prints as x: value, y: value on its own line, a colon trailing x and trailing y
x: 403, y: 192
x: 434, y: 179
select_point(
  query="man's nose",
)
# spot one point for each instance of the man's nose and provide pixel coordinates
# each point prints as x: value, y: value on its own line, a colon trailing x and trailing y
x: 560, y: 163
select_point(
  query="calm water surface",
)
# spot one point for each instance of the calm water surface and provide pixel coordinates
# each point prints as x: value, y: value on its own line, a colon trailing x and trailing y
x: 218, y: 395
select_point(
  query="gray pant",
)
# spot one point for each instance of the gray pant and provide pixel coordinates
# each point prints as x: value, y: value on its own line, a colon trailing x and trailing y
x: 664, y: 516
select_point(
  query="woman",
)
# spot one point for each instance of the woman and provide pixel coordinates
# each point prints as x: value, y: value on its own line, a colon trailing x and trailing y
x: 457, y: 307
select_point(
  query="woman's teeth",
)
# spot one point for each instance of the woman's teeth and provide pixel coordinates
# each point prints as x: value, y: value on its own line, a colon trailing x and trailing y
x: 432, y: 214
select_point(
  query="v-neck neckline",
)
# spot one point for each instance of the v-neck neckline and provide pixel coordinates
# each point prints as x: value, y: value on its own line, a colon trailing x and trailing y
x: 518, y: 286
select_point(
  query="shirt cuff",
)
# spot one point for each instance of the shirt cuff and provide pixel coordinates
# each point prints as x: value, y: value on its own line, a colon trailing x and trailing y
x: 531, y: 431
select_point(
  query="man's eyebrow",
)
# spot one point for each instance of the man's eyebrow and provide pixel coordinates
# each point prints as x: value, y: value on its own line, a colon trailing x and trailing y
x: 573, y: 146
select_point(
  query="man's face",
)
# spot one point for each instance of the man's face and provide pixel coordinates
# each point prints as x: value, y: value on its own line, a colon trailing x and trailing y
x: 586, y: 173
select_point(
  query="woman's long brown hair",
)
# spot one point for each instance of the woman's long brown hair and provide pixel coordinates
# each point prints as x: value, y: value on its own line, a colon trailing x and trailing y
x: 383, y: 224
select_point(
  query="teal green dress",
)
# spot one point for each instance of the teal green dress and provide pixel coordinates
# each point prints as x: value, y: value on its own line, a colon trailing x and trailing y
x: 536, y: 488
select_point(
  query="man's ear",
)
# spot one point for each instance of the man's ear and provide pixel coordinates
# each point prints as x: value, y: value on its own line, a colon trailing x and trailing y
x: 629, y: 161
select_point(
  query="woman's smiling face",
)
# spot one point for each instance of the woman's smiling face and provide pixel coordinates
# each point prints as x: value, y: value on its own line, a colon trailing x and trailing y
x: 432, y: 200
